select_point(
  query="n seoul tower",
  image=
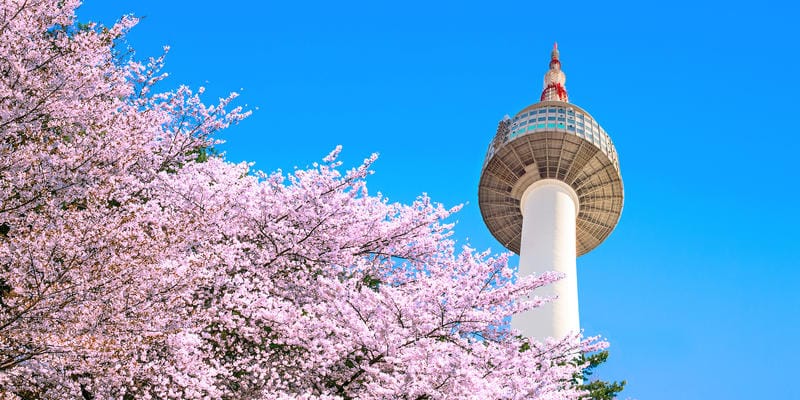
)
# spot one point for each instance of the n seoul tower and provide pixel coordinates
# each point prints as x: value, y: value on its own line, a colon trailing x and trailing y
x: 551, y: 191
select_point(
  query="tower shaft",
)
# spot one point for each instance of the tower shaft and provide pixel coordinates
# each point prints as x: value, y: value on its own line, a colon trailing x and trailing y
x: 549, y: 208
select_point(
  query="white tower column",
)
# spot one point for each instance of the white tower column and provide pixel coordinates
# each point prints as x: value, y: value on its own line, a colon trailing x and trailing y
x: 549, y: 209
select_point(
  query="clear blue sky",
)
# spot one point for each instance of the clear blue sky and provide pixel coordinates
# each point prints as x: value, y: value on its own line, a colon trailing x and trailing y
x: 696, y: 288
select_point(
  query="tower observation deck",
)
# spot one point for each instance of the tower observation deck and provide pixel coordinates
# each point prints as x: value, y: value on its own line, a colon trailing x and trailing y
x: 551, y: 190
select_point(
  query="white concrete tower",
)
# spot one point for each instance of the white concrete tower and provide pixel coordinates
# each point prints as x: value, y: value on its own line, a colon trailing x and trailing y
x: 550, y: 191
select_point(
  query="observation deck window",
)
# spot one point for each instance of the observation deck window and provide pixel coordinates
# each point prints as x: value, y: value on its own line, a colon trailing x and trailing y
x: 564, y: 119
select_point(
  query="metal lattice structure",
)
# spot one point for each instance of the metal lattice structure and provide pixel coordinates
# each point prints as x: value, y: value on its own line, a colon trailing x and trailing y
x: 551, y: 139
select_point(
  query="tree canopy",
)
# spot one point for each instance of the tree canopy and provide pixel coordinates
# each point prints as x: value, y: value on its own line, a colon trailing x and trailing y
x: 135, y: 263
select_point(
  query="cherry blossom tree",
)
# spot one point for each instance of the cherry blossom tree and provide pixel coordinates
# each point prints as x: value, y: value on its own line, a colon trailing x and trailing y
x: 84, y: 234
x: 132, y: 265
x: 316, y: 288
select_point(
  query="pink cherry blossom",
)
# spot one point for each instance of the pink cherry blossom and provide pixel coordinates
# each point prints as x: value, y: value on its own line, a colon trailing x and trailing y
x: 133, y: 265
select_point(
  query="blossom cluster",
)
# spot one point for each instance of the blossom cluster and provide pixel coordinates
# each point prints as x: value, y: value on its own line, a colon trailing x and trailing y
x: 135, y: 265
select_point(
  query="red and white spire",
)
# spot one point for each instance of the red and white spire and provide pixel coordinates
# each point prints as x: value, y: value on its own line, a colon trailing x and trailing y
x: 554, y: 80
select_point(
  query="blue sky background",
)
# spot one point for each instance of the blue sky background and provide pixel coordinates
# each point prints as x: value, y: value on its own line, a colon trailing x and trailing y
x: 696, y: 289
